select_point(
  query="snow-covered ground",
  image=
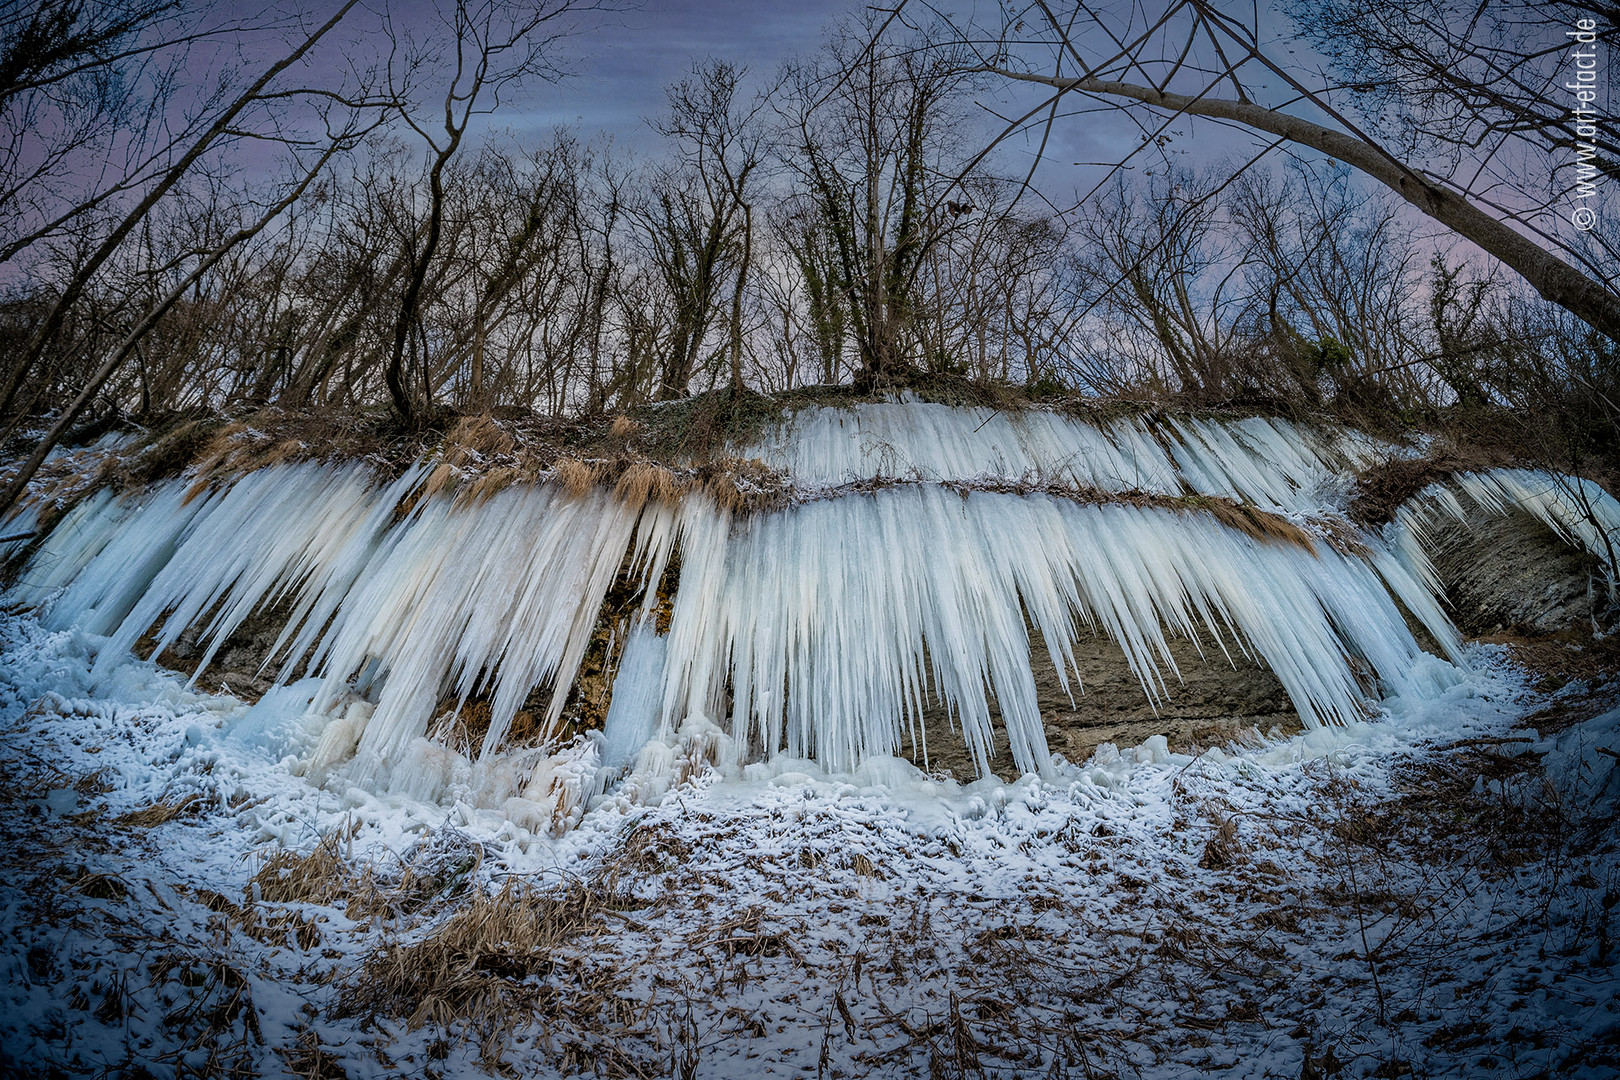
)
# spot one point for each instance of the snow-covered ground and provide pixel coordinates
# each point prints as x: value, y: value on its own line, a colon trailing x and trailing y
x: 1433, y: 892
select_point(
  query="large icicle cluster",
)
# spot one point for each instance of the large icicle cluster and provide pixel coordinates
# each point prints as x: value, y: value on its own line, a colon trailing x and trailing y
x: 1575, y: 509
x: 858, y: 604
x: 819, y: 630
x: 1269, y: 462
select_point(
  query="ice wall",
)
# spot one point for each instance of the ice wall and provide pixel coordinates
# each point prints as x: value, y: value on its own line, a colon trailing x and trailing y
x: 1267, y: 461
x: 821, y: 629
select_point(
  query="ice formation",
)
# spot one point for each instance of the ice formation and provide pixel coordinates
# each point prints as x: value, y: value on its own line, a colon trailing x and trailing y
x: 820, y: 630
x: 1575, y: 509
x: 1269, y: 462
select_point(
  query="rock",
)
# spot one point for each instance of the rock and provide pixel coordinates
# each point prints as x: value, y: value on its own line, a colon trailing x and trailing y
x: 1509, y: 573
x: 1216, y: 700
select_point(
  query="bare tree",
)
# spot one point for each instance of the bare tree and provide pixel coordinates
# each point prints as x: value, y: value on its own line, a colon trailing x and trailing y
x: 488, y: 47
x: 1191, y: 58
x: 180, y: 158
x: 869, y: 141
x: 344, y: 120
x: 697, y: 218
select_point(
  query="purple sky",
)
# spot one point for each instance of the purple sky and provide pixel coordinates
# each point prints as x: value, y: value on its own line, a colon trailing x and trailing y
x: 623, y: 67
x: 621, y: 61
x: 620, y: 70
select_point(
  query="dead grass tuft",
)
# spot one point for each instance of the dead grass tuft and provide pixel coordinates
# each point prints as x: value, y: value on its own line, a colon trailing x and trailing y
x: 574, y: 477
x: 278, y: 437
x: 491, y: 482
x: 623, y: 428
x: 1257, y: 524
x: 443, y: 478
x: 323, y: 876
x: 644, y: 482
x: 309, y: 1060
x: 98, y: 886
x: 476, y: 967
x: 160, y: 812
x: 476, y: 439
x: 1382, y: 489
x: 1223, y: 850
x: 166, y: 450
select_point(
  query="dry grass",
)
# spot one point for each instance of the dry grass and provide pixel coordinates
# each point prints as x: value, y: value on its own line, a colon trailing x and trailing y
x: 1257, y: 524
x: 575, y: 478
x: 309, y: 1060
x: 323, y: 876
x: 473, y: 440
x: 161, y: 812
x: 1381, y: 490
x: 643, y: 482
x: 437, y: 869
x: 270, y: 437
x: 473, y: 967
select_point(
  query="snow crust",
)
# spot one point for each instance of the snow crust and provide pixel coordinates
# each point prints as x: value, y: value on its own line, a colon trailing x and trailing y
x: 984, y: 852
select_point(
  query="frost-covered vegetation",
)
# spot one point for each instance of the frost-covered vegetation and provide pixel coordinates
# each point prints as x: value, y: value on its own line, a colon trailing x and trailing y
x: 1430, y: 891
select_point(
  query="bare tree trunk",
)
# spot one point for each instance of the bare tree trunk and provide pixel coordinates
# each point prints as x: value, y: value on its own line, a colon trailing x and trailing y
x: 1556, y: 280
x: 737, y: 299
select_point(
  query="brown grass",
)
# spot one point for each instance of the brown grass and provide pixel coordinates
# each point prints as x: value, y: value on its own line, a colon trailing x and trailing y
x: 1382, y: 489
x: 309, y: 1060
x: 277, y: 437
x: 574, y: 477
x: 324, y: 876
x: 472, y: 440
x: 473, y: 967
x: 1257, y: 524
x: 160, y: 812
x: 644, y: 482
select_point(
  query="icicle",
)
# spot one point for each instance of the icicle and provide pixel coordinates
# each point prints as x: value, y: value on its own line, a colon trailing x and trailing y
x: 21, y: 523
x: 913, y: 440
x: 822, y: 630
x: 121, y: 548
x: 632, y: 717
x: 63, y: 555
x: 1266, y: 461
x: 245, y: 548
x: 502, y: 597
x: 828, y: 620
x: 1575, y: 509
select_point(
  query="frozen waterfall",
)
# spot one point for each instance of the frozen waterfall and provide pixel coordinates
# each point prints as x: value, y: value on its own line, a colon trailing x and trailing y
x: 907, y: 572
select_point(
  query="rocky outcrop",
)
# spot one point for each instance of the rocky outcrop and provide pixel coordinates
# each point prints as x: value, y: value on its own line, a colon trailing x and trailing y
x: 1509, y: 573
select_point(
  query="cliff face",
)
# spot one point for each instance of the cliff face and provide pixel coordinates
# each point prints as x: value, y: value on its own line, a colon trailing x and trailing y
x: 965, y: 587
x: 1507, y: 573
x: 1219, y: 696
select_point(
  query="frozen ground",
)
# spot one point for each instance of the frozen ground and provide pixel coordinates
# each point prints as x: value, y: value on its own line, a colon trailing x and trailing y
x: 1433, y: 893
